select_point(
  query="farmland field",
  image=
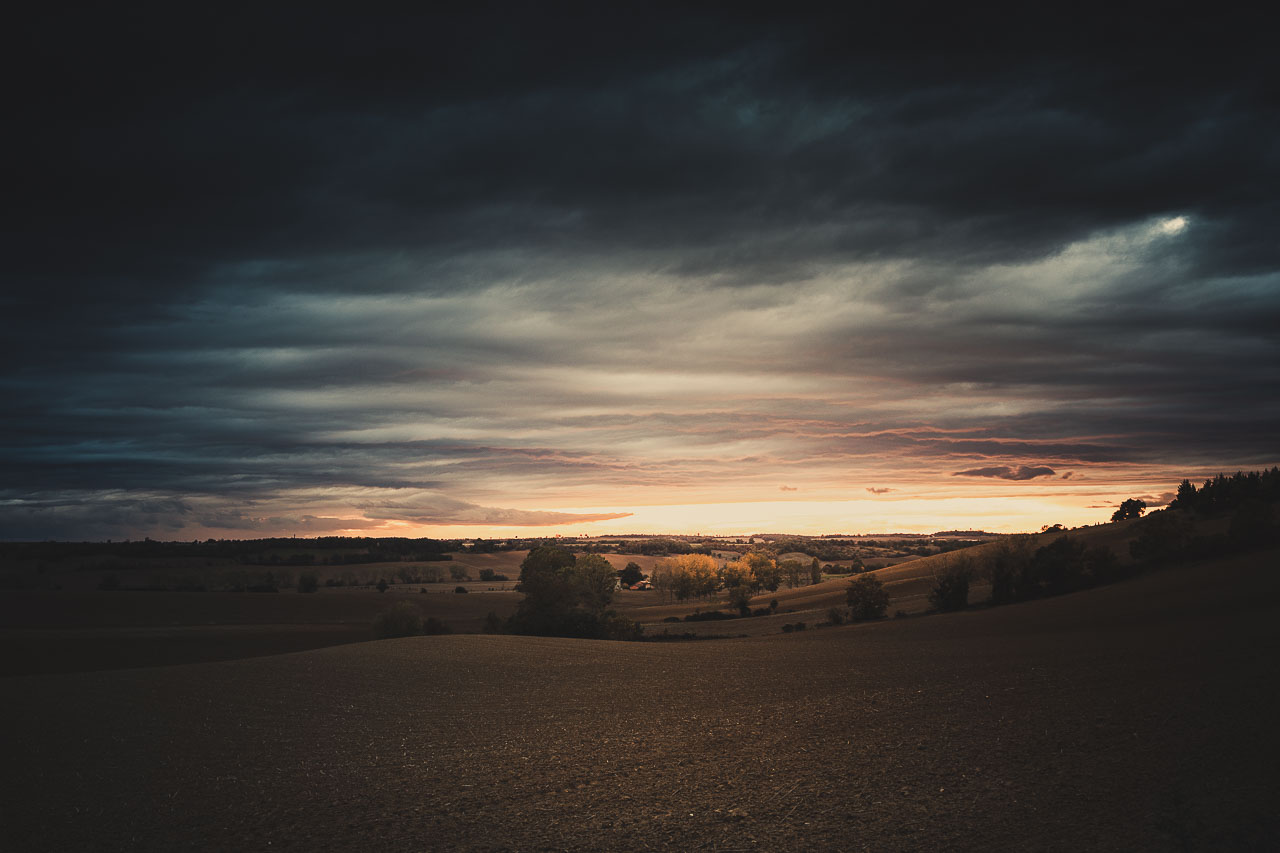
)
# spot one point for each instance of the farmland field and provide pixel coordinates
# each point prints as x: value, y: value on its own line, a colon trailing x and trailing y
x: 1138, y: 716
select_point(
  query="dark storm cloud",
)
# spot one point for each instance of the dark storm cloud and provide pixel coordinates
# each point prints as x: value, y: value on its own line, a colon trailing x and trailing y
x: 250, y: 257
x: 1004, y: 472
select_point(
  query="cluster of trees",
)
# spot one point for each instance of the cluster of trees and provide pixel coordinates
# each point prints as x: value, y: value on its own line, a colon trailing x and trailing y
x: 689, y: 576
x: 404, y: 619
x: 664, y: 547
x: 567, y: 596
x: 1170, y: 536
x: 324, y: 550
x: 1019, y: 573
x: 1227, y: 493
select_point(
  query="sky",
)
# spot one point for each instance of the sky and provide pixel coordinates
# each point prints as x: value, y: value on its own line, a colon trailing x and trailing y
x: 515, y: 271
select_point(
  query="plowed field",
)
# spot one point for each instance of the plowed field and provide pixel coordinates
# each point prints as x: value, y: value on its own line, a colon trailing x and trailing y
x: 1139, y: 716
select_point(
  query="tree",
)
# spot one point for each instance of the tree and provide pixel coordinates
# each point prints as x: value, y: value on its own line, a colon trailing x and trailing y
x: 686, y: 576
x: 867, y: 598
x: 951, y: 585
x: 815, y: 571
x: 740, y: 598
x: 567, y: 597
x: 1007, y: 564
x: 458, y: 573
x: 1131, y: 508
x: 740, y: 583
x: 597, y: 579
x: 631, y: 575
x: 791, y: 572
x: 308, y: 582
x: 767, y: 574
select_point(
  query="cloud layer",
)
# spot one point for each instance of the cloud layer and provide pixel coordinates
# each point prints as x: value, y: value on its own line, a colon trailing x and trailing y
x: 500, y: 270
x: 1004, y: 472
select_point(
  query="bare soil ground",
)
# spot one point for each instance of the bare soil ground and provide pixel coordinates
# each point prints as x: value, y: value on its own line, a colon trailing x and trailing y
x: 1139, y: 716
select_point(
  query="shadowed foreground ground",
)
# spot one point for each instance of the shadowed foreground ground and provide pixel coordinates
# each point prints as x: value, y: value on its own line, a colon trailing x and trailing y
x: 1140, y: 716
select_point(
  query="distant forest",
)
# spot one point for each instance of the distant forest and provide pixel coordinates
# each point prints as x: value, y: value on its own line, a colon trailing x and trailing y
x: 1224, y: 494
x: 321, y: 551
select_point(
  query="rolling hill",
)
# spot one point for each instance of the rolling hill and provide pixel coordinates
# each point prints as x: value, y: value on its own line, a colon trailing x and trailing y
x: 1138, y: 716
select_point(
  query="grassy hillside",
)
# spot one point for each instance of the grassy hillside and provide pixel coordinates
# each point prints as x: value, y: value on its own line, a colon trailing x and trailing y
x: 1138, y: 716
x: 908, y: 584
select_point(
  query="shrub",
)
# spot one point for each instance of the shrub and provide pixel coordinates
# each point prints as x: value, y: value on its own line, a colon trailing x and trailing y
x: 867, y: 598
x: 434, y: 626
x: 308, y: 582
x: 1101, y: 565
x: 401, y: 619
x: 1253, y: 525
x: 1163, y: 536
x: 382, y: 585
x: 486, y: 574
x: 672, y: 619
x: 460, y: 590
x: 951, y: 585
x: 708, y: 616
x: 835, y: 616
x: 615, y: 627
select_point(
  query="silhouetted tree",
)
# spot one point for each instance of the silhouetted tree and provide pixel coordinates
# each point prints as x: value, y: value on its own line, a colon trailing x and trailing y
x: 631, y: 575
x: 1131, y: 508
